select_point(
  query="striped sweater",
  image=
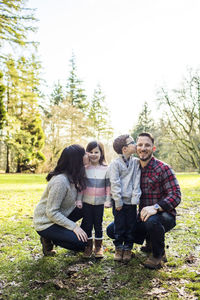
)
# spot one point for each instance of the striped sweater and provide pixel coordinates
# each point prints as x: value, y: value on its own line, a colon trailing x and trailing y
x: 97, y: 186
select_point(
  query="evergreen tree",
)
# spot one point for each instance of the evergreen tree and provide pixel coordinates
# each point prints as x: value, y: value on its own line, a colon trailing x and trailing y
x: 26, y: 139
x: 145, y: 122
x: 57, y: 96
x: 77, y: 99
x: 99, y: 115
x: 75, y: 92
x: 15, y: 21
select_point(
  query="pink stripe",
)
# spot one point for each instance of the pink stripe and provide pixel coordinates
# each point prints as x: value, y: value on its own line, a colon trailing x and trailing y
x: 95, y: 192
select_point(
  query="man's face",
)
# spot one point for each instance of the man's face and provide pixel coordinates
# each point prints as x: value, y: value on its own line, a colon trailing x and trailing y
x: 145, y: 148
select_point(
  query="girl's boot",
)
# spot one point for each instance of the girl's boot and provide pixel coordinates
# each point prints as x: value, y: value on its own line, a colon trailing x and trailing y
x: 98, y: 250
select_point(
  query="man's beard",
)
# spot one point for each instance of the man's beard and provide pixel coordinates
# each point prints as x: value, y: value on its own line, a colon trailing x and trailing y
x: 146, y: 158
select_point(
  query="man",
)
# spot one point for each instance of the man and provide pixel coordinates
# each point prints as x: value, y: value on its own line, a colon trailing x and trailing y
x: 160, y: 195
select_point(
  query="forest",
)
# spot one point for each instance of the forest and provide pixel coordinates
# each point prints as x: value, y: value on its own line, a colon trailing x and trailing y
x: 35, y: 127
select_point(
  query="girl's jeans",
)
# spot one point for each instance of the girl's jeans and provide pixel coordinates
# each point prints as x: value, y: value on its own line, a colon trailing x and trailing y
x: 93, y: 217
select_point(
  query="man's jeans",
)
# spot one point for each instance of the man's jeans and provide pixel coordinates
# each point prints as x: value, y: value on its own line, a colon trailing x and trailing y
x: 63, y: 237
x: 153, y: 229
x: 124, y: 221
x: 93, y: 217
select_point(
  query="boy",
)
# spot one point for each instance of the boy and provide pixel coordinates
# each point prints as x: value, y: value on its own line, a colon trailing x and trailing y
x: 124, y: 173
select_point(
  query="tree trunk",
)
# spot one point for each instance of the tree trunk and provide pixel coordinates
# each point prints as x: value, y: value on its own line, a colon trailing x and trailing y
x: 7, y: 159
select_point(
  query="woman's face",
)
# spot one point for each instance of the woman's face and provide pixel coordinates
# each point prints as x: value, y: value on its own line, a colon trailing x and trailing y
x: 86, y: 159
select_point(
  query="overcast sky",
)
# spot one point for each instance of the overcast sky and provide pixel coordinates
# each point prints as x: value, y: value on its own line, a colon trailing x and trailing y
x: 129, y: 47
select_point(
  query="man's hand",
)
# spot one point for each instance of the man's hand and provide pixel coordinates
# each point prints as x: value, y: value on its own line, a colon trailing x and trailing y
x: 146, y: 212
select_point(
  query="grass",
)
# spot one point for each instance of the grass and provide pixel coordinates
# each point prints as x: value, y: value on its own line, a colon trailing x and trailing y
x: 26, y: 274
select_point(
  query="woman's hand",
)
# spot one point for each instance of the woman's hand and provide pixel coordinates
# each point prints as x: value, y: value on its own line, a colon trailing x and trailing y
x: 80, y: 233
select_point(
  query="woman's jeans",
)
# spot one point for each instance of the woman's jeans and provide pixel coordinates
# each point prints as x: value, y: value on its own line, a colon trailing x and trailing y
x: 124, y: 221
x: 93, y: 217
x: 153, y: 229
x: 63, y: 237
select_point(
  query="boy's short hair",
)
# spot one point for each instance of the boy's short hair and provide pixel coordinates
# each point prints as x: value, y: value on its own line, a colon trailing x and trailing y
x: 120, y: 142
x: 149, y: 135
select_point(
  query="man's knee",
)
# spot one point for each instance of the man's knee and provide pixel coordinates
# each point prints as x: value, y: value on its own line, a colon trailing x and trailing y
x: 168, y: 221
x: 152, y: 223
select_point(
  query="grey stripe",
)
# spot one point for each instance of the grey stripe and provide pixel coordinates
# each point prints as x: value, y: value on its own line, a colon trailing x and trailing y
x: 98, y: 183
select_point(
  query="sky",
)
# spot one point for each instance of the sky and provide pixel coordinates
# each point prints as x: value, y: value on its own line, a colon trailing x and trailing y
x: 130, y: 47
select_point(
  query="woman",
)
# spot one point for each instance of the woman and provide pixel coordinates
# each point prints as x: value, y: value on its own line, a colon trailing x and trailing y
x: 56, y: 213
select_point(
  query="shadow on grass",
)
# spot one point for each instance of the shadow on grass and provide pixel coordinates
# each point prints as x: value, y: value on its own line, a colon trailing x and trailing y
x: 69, y: 276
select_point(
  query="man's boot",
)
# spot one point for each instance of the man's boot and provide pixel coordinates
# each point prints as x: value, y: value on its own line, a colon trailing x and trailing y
x: 88, y: 249
x: 98, y: 250
x: 127, y: 255
x: 47, y: 247
x: 147, y: 248
x: 155, y: 262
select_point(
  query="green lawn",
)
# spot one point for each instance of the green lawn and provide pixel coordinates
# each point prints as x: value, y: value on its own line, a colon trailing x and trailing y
x: 26, y: 274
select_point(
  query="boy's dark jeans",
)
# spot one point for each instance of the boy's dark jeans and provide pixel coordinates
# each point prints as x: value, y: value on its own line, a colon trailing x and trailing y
x: 93, y: 217
x: 124, y: 221
x: 154, y: 228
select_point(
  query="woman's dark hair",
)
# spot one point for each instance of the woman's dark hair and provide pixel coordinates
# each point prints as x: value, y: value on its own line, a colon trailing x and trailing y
x: 71, y: 164
x: 95, y: 144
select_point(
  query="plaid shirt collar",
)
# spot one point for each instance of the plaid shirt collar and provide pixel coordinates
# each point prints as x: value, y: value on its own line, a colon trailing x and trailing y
x: 150, y: 164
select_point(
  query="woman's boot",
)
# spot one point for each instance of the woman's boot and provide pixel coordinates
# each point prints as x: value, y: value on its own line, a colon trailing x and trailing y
x: 88, y: 249
x: 98, y: 250
x: 47, y: 247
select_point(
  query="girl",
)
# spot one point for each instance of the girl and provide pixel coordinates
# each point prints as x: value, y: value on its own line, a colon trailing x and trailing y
x: 56, y: 213
x: 94, y: 197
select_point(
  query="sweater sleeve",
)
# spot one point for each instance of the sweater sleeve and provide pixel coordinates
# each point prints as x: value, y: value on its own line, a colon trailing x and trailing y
x: 135, y: 199
x: 57, y: 193
x: 107, y: 188
x: 115, y: 184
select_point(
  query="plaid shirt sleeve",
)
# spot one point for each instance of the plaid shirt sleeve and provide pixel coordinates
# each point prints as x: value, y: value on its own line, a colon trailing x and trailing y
x: 159, y: 185
x: 171, y: 190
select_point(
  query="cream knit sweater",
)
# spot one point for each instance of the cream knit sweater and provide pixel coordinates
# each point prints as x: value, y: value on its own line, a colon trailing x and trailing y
x: 56, y: 204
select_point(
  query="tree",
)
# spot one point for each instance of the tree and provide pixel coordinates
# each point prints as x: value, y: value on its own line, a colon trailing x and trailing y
x: 182, y: 118
x: 2, y: 106
x: 57, y: 96
x: 26, y: 137
x: 15, y: 21
x: 75, y: 92
x: 77, y: 99
x: 99, y: 115
x: 145, y: 122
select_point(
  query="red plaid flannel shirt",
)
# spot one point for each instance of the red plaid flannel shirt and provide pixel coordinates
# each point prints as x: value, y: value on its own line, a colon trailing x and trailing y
x: 159, y: 185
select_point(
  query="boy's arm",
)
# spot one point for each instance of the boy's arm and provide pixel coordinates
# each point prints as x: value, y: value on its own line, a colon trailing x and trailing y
x: 135, y: 199
x: 115, y: 184
x: 107, y: 203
